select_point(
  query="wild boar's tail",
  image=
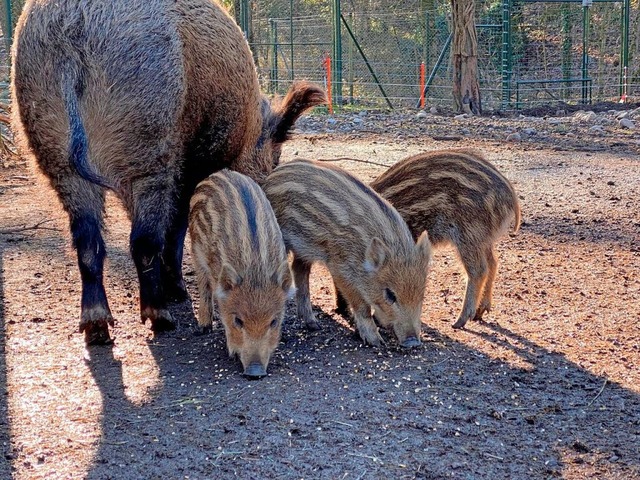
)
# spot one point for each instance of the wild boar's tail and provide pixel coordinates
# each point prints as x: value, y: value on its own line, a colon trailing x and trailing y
x: 72, y: 91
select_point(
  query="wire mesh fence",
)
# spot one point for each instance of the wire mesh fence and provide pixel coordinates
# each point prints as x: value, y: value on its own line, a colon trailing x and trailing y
x: 382, y: 52
x: 529, y: 52
x: 548, y: 52
x: 563, y: 52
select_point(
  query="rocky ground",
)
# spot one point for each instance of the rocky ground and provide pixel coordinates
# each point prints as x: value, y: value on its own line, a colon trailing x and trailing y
x: 548, y: 386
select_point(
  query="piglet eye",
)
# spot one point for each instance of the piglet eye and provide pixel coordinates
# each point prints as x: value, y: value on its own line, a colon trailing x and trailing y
x: 274, y: 323
x: 389, y: 296
x: 238, y: 323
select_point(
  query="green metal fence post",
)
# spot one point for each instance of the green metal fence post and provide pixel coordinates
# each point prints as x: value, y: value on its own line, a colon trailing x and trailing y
x: 566, y: 48
x: 274, y: 55
x: 426, y: 7
x: 244, y: 18
x: 585, y: 49
x: 624, y: 51
x: 337, y: 54
x: 350, y: 64
x: 9, y: 33
x: 506, y: 54
x: 291, y: 76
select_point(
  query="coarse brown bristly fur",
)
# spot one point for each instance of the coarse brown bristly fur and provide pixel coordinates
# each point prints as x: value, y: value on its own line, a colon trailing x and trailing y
x: 240, y: 262
x: 147, y: 98
x: 462, y: 200
x: 328, y: 215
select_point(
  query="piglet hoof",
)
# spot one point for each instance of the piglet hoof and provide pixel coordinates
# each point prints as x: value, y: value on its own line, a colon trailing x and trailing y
x: 460, y: 323
x: 373, y: 339
x: 161, y: 320
x: 255, y: 371
x: 411, y: 342
x: 95, y: 325
x: 313, y: 325
x: 203, y: 330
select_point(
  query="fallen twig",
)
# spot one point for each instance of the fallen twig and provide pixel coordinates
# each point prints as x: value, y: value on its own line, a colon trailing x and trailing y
x: 349, y: 159
x: 599, y: 393
x: 493, y: 456
x: 341, y: 423
x: 23, y: 228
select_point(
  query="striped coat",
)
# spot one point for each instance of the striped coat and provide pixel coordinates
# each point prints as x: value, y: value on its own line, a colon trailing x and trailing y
x: 327, y: 215
x: 241, y: 263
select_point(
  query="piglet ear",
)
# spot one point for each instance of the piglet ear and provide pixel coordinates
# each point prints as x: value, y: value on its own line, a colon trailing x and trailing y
x: 375, y: 256
x: 229, y: 279
x: 424, y: 246
x: 282, y: 277
x: 301, y: 97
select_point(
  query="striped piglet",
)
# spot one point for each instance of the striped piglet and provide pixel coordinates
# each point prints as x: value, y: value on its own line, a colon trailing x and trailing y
x: 461, y: 200
x: 327, y: 215
x: 241, y: 263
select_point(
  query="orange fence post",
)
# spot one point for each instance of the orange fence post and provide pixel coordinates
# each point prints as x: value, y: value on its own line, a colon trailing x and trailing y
x: 422, y: 77
x: 327, y: 66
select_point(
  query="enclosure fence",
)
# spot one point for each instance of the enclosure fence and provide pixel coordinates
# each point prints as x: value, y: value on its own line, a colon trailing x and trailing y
x: 379, y: 54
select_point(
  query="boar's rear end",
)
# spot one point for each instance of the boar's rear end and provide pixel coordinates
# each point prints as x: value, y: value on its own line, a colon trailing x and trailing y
x: 147, y: 98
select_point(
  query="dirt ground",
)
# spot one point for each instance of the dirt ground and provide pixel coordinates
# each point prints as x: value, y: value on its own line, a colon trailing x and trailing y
x: 548, y: 386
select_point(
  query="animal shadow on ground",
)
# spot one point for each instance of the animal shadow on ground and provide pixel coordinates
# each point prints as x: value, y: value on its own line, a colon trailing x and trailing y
x: 5, y: 466
x: 333, y: 409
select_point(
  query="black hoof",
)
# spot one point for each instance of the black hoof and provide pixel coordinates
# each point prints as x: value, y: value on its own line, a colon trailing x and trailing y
x: 96, y: 332
x: 161, y: 320
x: 313, y: 326
x: 201, y: 331
x: 255, y: 371
x: 162, y: 325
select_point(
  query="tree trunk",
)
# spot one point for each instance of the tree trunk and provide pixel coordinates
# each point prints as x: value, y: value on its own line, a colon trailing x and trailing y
x: 466, y: 87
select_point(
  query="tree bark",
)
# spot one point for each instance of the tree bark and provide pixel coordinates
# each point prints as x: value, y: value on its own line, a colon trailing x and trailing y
x: 466, y: 86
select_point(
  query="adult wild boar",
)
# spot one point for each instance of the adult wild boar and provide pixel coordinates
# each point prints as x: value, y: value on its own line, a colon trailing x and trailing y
x: 147, y: 98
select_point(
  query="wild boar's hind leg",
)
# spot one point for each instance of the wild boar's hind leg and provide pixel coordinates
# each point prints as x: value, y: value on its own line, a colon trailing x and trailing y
x: 172, y: 281
x: 152, y: 212
x: 85, y: 218
x: 342, y: 307
x: 477, y: 269
x: 485, y: 303
x: 301, y: 271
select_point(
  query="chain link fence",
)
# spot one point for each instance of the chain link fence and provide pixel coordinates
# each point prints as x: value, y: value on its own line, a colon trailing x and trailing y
x: 529, y: 52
